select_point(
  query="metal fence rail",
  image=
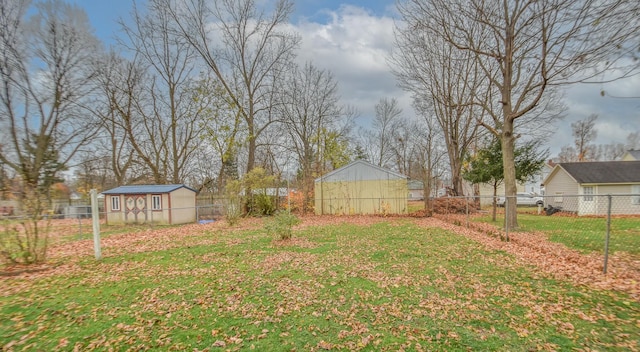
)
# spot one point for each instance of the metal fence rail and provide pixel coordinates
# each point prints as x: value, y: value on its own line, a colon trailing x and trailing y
x: 603, y: 225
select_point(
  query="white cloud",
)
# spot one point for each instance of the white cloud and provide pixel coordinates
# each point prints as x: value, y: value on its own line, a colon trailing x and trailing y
x: 354, y: 45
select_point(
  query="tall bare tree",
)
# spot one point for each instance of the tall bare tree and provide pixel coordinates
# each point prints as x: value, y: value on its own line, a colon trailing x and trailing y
x: 446, y: 80
x: 388, y: 115
x: 168, y: 128
x: 310, y: 107
x: 119, y: 85
x: 45, y: 77
x: 246, y: 49
x: 584, y: 133
x: 525, y: 48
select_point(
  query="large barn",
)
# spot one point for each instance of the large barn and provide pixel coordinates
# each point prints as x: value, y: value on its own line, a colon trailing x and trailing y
x: 361, y: 188
x: 160, y: 204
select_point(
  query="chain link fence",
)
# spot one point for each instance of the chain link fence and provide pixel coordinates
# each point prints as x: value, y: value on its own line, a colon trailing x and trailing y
x: 604, y: 225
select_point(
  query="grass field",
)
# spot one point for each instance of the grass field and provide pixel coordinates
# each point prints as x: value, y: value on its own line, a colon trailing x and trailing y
x: 386, y: 286
x: 586, y: 234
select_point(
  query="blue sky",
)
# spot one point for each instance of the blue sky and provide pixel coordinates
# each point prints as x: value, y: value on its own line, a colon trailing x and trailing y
x: 104, y: 13
x: 353, y: 38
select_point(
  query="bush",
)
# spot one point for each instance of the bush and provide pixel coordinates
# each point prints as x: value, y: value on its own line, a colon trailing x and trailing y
x: 233, y: 212
x: 261, y: 204
x: 281, y: 224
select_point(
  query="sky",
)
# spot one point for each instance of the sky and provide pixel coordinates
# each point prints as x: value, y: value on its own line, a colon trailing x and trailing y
x: 353, y: 39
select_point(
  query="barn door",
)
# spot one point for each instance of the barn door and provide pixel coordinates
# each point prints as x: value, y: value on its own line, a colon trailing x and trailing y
x: 136, y: 208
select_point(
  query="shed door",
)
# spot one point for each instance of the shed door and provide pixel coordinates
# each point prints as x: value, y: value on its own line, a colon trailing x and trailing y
x: 136, y: 208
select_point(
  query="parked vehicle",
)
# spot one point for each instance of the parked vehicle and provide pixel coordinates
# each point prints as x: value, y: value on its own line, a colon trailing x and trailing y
x: 523, y: 200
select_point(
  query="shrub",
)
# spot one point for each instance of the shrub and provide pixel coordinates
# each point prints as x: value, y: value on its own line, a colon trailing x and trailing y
x: 261, y: 204
x: 281, y: 224
x: 233, y: 212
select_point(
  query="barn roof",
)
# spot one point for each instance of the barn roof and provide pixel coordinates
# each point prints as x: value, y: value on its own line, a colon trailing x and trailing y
x: 360, y: 170
x: 600, y: 172
x: 146, y: 189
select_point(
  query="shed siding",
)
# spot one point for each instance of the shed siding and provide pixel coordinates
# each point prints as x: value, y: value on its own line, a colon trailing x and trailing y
x: 183, y: 206
x: 178, y: 207
x: 383, y: 196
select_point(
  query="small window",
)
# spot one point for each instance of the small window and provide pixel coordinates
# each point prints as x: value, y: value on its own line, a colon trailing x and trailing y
x: 635, y: 198
x: 115, y: 203
x: 587, y: 191
x: 156, y: 202
x: 558, y: 197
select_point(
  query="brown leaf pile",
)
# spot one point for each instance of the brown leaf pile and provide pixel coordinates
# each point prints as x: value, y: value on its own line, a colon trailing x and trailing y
x: 623, y: 271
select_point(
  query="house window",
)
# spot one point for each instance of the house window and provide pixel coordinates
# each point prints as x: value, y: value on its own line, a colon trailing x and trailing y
x: 588, y: 193
x: 558, y: 197
x: 156, y: 202
x: 635, y: 198
x: 115, y: 203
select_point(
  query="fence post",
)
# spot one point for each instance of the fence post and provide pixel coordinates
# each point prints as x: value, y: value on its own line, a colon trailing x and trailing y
x: 606, y: 240
x: 96, y: 224
x: 466, y: 202
x: 79, y: 226
x: 507, y: 202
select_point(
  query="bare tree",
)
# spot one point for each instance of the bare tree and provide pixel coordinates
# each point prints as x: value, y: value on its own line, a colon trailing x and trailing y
x: 429, y: 154
x: 567, y: 154
x: 584, y: 133
x: 446, y: 80
x: 45, y: 77
x: 525, y: 48
x: 310, y: 107
x: 166, y: 138
x: 250, y: 57
x: 119, y: 83
x: 379, y: 138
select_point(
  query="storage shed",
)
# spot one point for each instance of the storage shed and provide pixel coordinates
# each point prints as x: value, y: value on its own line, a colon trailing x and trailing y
x: 361, y: 188
x: 160, y: 204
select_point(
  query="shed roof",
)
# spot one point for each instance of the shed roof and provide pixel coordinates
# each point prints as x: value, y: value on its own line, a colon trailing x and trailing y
x: 146, y: 189
x: 602, y: 172
x: 360, y: 170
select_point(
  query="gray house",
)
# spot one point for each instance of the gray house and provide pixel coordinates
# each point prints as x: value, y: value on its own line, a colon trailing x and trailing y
x: 580, y: 187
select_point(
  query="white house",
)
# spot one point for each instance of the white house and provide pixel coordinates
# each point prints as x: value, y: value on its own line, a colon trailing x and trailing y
x: 581, y: 187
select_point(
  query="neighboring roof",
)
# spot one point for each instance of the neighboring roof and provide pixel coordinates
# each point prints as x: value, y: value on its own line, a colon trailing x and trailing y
x: 146, y: 189
x: 360, y: 170
x: 601, y: 172
x: 635, y: 154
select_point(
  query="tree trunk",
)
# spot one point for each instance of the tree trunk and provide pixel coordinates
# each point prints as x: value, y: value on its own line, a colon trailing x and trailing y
x: 510, y: 188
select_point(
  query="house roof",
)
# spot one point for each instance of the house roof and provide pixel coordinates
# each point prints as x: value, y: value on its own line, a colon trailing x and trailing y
x: 146, y: 189
x: 364, y: 171
x: 602, y: 172
x: 415, y: 184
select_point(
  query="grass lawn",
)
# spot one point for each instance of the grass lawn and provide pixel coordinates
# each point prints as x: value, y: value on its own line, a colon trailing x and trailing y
x: 586, y: 234
x: 386, y: 286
